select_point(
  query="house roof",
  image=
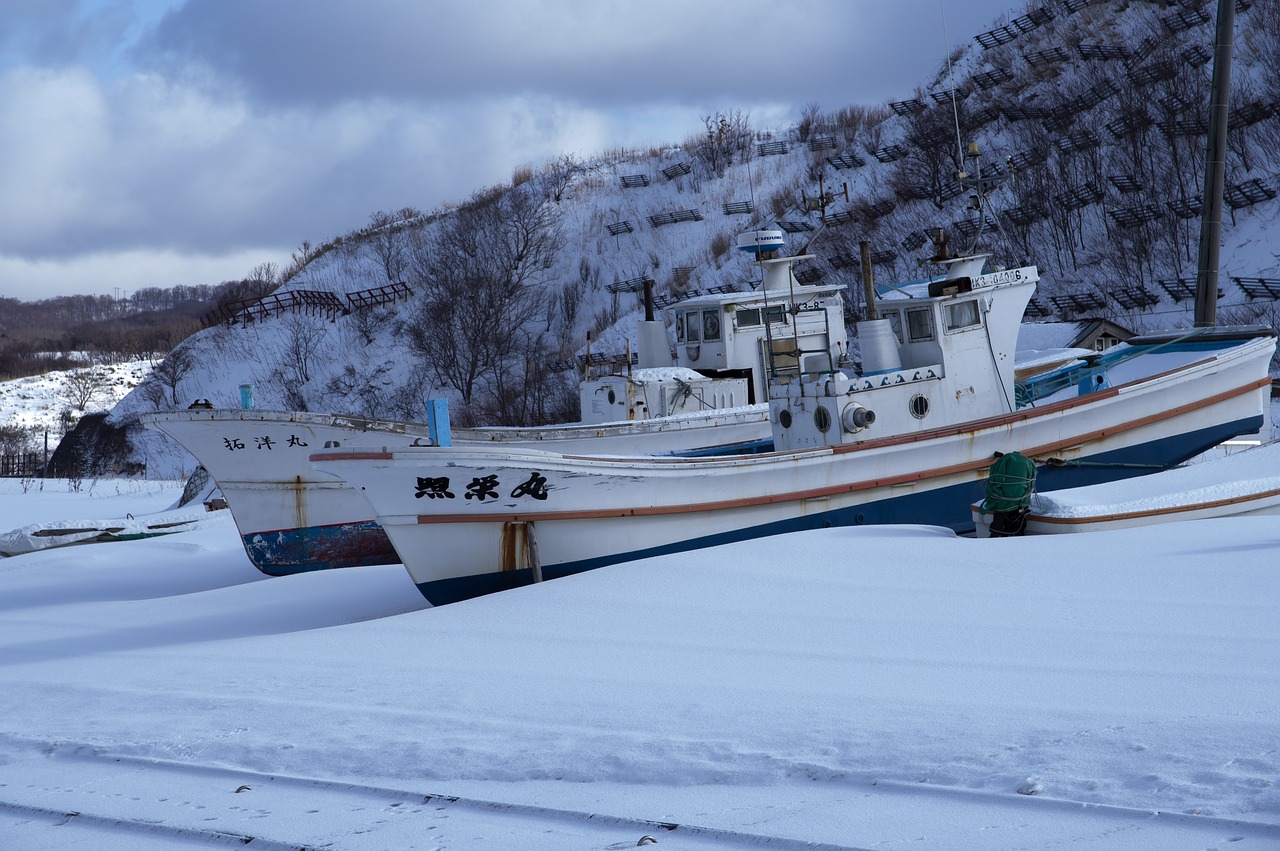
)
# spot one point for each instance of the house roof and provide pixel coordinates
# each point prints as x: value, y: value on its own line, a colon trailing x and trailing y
x: 1044, y: 336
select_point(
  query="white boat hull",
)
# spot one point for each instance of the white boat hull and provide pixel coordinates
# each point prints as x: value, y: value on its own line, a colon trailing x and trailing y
x: 1240, y: 484
x: 293, y: 518
x: 461, y: 518
x: 1039, y: 524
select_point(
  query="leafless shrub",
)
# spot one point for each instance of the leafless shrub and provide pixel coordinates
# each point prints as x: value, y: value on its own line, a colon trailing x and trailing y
x: 726, y: 139
x: 389, y: 240
x: 521, y: 174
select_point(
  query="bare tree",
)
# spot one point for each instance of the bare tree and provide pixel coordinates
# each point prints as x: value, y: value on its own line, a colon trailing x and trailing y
x: 360, y: 387
x: 266, y: 276
x: 570, y: 304
x: 727, y: 140
x: 810, y: 120
x: 16, y: 439
x: 175, y: 367
x: 298, y: 260
x: 81, y: 386
x: 389, y: 241
x: 299, y: 348
x: 929, y: 169
x: 529, y: 391
x: 364, y: 322
x: 478, y: 278
x: 560, y: 174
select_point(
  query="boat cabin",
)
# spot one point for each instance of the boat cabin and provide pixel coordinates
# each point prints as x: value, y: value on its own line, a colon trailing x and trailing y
x: 942, y: 353
x: 731, y: 334
x: 726, y: 344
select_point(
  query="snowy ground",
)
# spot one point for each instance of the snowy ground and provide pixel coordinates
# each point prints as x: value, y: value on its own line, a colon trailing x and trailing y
x: 886, y: 688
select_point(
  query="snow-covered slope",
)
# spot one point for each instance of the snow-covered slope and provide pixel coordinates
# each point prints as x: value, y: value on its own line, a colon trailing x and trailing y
x: 37, y: 402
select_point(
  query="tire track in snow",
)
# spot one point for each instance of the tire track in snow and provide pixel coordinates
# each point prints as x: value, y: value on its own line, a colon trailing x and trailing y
x: 328, y: 795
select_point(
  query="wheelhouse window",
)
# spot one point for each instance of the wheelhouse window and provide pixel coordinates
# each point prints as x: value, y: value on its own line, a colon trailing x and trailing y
x: 679, y: 327
x: 747, y: 317
x: 692, y: 332
x: 920, y: 324
x: 895, y: 322
x: 962, y: 315
x: 711, y: 325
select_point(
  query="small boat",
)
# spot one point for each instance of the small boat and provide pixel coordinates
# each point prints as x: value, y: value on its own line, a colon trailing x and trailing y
x: 1242, y: 483
x: 45, y: 536
x: 710, y: 401
x: 908, y: 439
x: 186, y: 514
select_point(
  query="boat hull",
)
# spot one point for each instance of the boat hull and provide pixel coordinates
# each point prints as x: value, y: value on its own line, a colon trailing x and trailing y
x: 462, y: 519
x: 294, y: 519
x: 1038, y: 524
x: 1240, y: 484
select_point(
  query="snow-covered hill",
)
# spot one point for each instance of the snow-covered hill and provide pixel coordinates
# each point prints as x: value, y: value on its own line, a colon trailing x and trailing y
x: 1086, y: 111
x: 38, y: 402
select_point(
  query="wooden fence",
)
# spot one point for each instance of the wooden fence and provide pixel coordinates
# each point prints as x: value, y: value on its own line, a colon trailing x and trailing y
x: 21, y: 465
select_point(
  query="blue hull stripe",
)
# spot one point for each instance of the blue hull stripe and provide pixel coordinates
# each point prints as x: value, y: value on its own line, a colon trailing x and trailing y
x: 945, y: 506
x: 288, y: 551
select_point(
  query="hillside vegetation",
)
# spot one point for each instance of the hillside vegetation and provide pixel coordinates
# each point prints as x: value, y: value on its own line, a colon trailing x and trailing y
x: 1090, y: 115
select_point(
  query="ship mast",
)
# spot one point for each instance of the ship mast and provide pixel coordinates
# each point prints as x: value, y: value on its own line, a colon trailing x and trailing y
x: 1215, y: 169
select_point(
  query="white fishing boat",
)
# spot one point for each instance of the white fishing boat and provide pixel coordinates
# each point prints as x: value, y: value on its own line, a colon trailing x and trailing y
x: 709, y: 401
x: 1239, y: 484
x: 908, y: 439
x: 293, y: 518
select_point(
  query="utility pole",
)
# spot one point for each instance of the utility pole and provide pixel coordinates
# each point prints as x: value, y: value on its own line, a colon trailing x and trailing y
x: 1215, y: 170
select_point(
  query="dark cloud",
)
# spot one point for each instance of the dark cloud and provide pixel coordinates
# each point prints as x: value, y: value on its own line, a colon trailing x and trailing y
x: 625, y: 51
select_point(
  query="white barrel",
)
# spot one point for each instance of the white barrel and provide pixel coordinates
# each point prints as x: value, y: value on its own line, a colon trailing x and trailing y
x: 879, y: 346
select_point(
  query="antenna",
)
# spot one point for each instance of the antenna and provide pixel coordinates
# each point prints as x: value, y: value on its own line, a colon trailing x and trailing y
x: 955, y: 111
x: 979, y: 186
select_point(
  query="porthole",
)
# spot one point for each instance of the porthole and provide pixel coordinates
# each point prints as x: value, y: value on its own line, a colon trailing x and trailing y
x: 822, y: 420
x: 919, y: 406
x: 612, y: 398
x: 784, y: 418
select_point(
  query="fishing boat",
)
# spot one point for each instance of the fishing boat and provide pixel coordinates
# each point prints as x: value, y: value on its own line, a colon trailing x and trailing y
x: 710, y: 399
x: 908, y: 438
x: 1240, y: 484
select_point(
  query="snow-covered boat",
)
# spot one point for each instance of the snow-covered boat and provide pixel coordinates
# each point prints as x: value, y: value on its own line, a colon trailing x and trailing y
x: 907, y: 440
x: 710, y: 401
x: 47, y: 536
x: 188, y: 513
x: 1240, y: 484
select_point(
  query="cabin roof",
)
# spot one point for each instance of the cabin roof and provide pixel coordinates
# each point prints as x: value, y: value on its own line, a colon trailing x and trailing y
x: 803, y: 292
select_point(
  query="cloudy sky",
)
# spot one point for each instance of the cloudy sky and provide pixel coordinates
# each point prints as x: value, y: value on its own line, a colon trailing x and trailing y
x: 161, y: 142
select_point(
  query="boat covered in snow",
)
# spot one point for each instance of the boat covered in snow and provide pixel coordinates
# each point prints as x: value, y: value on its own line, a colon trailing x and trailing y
x: 189, y: 512
x: 1240, y: 484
